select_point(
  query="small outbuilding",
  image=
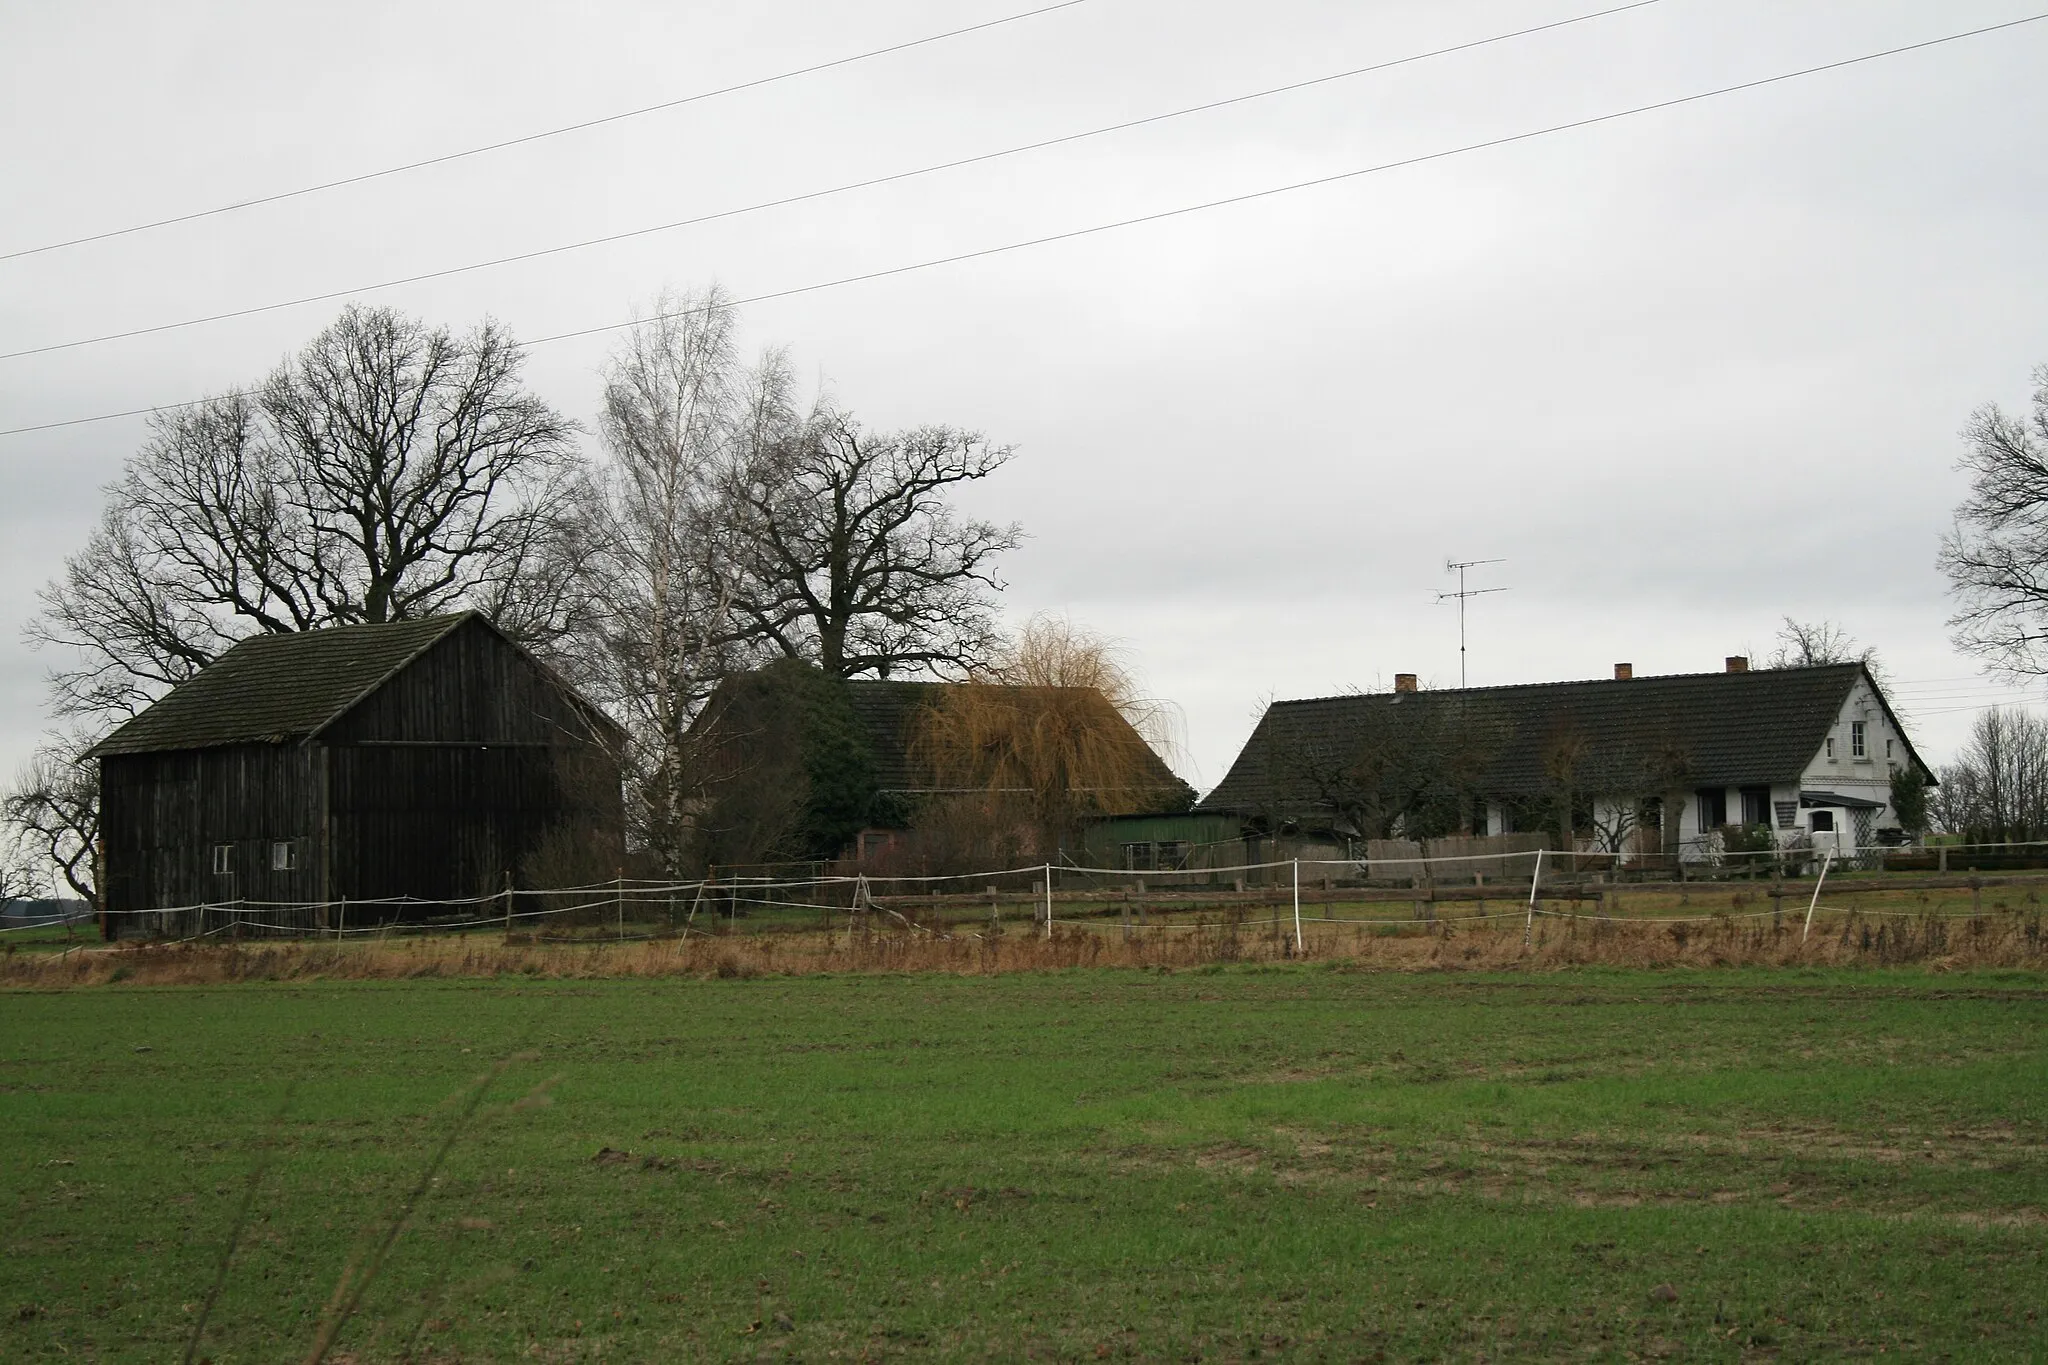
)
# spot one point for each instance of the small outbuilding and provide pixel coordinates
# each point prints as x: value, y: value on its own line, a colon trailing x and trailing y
x: 424, y: 760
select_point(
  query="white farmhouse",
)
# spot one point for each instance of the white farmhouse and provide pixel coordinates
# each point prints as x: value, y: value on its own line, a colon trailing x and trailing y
x: 1805, y: 753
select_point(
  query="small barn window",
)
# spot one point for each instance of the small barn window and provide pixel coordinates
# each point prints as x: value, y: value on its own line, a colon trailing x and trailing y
x: 284, y: 856
x: 1172, y: 855
x: 1822, y: 821
x: 223, y: 859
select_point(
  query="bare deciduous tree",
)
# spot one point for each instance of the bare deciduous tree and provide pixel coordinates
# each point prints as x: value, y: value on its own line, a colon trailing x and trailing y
x: 1802, y: 644
x: 53, y: 809
x: 1996, y: 554
x: 1997, y: 788
x: 389, y: 471
x: 21, y: 872
x: 681, y: 411
x: 848, y: 552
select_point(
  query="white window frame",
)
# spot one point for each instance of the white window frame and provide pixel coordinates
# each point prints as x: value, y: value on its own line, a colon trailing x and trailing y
x: 284, y: 855
x: 1831, y: 748
x: 223, y: 860
x: 1859, y: 743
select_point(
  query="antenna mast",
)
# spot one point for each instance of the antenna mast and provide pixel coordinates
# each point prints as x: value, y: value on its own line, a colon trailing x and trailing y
x: 1458, y: 567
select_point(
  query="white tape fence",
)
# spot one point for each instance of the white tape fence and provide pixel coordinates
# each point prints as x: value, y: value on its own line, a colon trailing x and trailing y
x: 1286, y: 896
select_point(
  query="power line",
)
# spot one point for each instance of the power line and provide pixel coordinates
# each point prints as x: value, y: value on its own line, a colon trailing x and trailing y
x: 1181, y: 212
x: 526, y: 138
x: 810, y: 195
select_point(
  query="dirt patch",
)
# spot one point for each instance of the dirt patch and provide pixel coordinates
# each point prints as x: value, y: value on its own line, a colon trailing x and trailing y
x: 1602, y: 1170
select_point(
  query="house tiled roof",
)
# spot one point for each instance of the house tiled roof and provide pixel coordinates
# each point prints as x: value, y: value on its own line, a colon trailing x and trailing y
x: 1732, y: 729
x: 888, y: 712
x: 276, y: 688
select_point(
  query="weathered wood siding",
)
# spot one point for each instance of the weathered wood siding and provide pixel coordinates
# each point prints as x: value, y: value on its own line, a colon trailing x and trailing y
x: 458, y: 769
x: 449, y: 821
x: 164, y: 814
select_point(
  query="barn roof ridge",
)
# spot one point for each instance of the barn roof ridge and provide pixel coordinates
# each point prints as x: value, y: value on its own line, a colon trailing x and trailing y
x: 1574, y: 682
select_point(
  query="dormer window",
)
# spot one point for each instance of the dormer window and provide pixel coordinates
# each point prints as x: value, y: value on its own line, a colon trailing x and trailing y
x: 1857, y: 746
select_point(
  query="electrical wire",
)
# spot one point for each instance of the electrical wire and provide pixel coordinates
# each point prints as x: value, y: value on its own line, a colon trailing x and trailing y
x: 524, y: 139
x: 1183, y: 211
x: 811, y: 195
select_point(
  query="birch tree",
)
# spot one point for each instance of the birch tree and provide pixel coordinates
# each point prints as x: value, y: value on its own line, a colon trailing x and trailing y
x: 681, y: 413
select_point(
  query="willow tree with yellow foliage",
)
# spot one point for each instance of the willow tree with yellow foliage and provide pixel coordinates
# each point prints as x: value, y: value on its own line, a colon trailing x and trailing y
x: 1054, y: 731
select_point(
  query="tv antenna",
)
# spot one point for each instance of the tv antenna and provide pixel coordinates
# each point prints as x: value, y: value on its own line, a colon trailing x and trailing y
x: 1458, y: 567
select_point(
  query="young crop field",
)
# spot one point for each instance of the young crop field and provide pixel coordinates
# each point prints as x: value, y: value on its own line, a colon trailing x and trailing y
x: 1240, y: 1161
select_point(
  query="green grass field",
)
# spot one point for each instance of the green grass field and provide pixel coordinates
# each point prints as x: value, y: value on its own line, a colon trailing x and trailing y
x: 1232, y: 1163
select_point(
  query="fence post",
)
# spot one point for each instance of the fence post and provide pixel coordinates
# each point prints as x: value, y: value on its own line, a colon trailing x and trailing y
x: 690, y: 920
x: 619, y: 903
x: 1048, y: 900
x: 1298, y: 944
x: 1825, y: 859
x: 508, y: 907
x: 1529, y: 924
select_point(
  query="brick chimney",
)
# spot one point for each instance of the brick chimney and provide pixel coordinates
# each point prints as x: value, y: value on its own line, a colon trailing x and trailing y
x: 1404, y: 682
x: 1738, y: 664
x: 1623, y: 672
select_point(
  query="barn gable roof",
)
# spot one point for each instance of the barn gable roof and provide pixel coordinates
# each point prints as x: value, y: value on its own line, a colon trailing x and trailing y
x: 1731, y: 728
x: 273, y: 689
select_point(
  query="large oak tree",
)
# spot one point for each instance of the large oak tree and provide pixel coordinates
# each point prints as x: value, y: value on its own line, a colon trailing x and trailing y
x: 847, y: 549
x: 388, y: 471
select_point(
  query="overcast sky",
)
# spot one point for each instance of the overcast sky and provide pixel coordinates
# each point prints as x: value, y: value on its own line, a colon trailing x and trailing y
x: 1686, y: 372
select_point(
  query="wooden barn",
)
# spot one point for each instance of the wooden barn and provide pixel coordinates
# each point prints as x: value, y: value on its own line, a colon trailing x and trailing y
x: 424, y: 759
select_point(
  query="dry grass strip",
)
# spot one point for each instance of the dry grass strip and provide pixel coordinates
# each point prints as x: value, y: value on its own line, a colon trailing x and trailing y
x: 2013, y: 940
